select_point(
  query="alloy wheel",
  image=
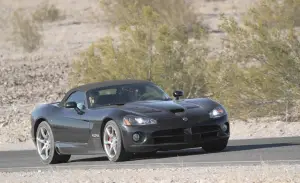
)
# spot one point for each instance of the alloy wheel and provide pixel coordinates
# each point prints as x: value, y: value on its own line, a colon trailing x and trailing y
x: 110, y: 141
x: 43, y: 143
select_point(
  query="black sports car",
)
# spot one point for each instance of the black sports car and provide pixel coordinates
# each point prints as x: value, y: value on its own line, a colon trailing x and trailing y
x: 124, y: 118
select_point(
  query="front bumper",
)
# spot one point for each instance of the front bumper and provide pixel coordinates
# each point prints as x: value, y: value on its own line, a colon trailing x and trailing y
x: 155, y: 138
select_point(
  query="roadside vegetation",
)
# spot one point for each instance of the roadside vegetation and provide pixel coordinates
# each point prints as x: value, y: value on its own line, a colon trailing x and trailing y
x: 255, y: 75
x: 26, y: 33
x: 161, y: 41
x: 47, y: 12
x: 27, y: 28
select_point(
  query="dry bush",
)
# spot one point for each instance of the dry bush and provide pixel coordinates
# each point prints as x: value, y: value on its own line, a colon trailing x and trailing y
x: 157, y: 42
x: 258, y: 72
x: 25, y: 32
x: 47, y: 13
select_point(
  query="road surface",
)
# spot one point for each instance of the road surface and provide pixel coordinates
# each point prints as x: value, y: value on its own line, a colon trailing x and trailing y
x: 241, y: 152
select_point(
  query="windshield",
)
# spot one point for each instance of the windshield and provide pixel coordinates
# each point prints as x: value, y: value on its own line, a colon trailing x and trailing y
x: 122, y: 94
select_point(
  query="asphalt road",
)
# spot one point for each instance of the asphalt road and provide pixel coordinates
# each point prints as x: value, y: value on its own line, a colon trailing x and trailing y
x: 250, y: 152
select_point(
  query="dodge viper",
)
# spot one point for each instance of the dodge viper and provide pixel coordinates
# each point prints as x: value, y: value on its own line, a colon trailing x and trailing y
x: 122, y: 118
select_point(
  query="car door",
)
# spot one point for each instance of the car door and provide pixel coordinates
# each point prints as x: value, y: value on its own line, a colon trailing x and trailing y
x: 72, y: 128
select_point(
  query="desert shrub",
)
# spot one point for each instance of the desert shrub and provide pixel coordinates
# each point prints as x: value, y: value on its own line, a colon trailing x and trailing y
x: 46, y: 12
x: 171, y: 12
x: 25, y: 32
x: 261, y: 57
x: 159, y: 44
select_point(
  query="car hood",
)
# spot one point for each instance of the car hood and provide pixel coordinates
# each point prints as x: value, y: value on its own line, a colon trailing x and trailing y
x: 188, y: 107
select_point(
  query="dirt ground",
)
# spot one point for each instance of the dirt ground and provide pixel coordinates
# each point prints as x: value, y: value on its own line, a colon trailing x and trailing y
x: 223, y: 174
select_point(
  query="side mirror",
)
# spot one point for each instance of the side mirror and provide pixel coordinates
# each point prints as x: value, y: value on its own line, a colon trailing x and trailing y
x: 177, y: 94
x: 72, y: 105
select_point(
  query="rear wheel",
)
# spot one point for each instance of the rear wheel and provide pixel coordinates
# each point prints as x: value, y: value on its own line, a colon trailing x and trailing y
x: 45, y: 146
x: 112, y: 143
x: 215, y: 146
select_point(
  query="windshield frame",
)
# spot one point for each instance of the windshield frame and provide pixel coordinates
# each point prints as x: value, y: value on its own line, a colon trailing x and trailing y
x: 165, y: 96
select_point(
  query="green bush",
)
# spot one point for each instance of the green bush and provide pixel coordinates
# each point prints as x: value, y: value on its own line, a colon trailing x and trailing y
x: 162, y: 46
x: 261, y: 57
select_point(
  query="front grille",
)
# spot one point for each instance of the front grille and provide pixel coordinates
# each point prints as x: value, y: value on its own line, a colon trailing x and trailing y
x: 171, y: 132
x: 178, y: 135
x: 162, y: 140
x: 209, y: 134
x: 205, y: 129
x: 168, y: 136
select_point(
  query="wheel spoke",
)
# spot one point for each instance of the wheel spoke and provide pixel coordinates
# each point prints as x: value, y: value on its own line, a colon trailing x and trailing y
x: 44, y: 134
x: 111, y: 149
x: 107, y: 142
x: 112, y: 133
x: 47, y: 152
x: 43, y: 149
x: 108, y: 132
x: 114, y: 148
x: 40, y: 140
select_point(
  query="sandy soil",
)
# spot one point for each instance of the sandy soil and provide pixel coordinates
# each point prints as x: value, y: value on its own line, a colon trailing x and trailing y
x: 232, y: 174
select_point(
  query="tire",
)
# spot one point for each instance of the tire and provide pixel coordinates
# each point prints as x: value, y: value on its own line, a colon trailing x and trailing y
x: 121, y: 154
x: 215, y: 146
x: 53, y: 156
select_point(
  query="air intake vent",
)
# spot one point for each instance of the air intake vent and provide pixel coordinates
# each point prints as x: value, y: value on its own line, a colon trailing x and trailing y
x: 178, y: 110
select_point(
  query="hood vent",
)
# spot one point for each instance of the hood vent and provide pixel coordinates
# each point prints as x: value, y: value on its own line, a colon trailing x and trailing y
x: 178, y: 110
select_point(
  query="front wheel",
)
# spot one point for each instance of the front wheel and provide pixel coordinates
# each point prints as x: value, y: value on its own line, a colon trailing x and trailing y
x: 45, y: 145
x: 215, y: 146
x: 112, y: 143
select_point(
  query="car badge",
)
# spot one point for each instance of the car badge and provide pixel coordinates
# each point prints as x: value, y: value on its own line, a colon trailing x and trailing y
x: 188, y: 131
x: 184, y: 118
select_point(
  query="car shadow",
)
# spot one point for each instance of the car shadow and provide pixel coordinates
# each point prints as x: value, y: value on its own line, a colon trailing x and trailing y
x: 101, y: 158
x: 199, y: 151
x: 190, y: 152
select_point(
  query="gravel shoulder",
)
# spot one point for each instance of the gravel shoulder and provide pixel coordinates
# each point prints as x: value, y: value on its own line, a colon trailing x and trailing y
x: 255, y: 174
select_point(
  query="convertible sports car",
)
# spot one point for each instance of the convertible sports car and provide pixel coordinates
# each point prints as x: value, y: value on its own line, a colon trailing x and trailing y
x: 123, y: 118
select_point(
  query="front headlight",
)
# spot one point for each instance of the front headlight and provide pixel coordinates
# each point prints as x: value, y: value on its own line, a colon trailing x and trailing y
x: 217, y: 112
x: 138, y: 120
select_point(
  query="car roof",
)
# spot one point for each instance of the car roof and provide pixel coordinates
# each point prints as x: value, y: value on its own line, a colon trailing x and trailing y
x: 89, y: 86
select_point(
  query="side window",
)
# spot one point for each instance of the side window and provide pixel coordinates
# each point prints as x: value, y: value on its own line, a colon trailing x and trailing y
x: 111, y: 91
x: 78, y: 97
